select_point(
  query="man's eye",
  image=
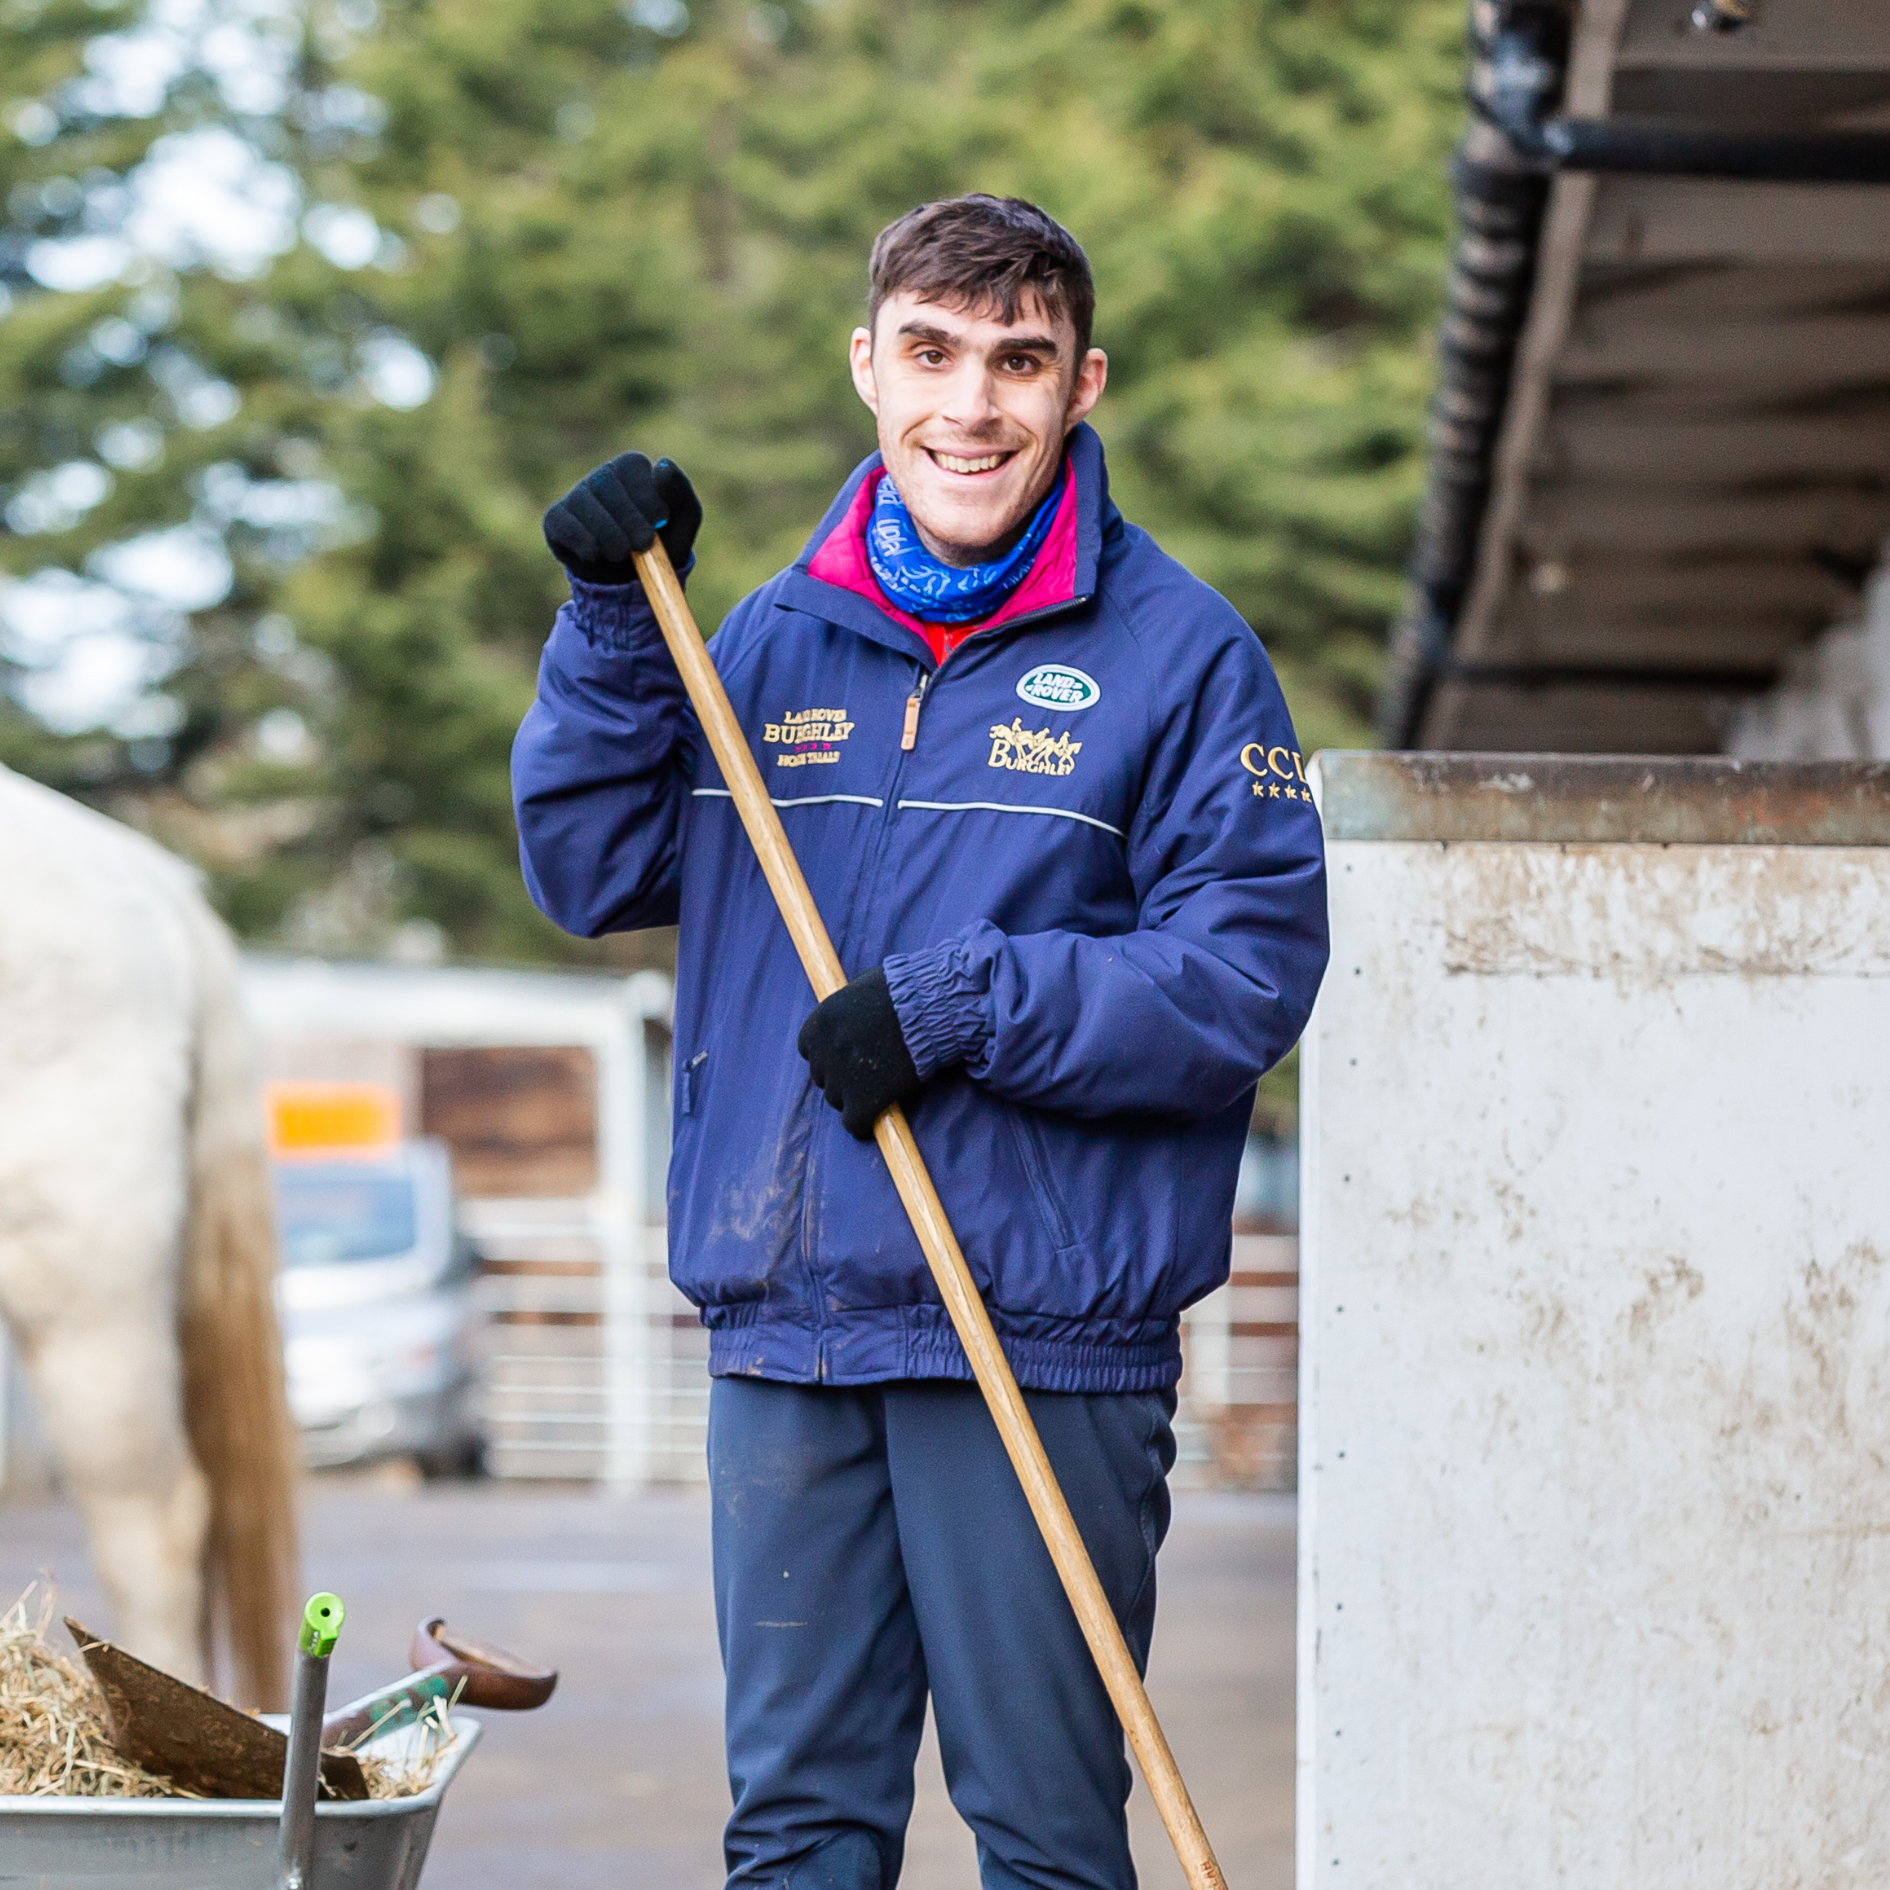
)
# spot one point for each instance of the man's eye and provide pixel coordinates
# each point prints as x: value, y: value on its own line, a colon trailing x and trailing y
x: 1021, y: 364
x: 932, y: 357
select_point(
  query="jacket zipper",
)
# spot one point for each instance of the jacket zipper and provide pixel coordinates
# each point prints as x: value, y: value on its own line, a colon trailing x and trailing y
x: 909, y: 736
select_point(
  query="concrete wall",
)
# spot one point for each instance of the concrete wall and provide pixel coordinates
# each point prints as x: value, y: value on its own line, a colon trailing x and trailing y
x: 1595, y: 1407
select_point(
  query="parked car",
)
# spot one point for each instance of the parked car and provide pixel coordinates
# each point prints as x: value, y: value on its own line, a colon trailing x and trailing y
x: 376, y: 1304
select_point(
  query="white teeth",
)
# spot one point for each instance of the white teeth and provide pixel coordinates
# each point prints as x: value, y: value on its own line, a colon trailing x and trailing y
x: 970, y: 465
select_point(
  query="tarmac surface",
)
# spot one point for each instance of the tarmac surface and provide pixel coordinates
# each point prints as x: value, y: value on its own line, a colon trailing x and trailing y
x: 617, y: 1784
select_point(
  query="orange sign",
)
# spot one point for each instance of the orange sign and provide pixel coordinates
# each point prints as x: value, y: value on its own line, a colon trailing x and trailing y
x: 333, y: 1118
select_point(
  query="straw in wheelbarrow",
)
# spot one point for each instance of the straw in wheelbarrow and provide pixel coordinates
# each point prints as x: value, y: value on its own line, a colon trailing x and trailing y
x: 53, y: 1739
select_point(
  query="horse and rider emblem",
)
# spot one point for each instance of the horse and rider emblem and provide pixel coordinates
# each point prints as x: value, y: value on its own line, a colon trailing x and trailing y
x: 1024, y: 752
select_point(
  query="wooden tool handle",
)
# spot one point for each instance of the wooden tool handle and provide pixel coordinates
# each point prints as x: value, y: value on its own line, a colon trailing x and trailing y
x: 960, y: 1293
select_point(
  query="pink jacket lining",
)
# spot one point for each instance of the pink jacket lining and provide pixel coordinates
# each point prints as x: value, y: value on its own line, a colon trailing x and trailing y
x: 841, y: 560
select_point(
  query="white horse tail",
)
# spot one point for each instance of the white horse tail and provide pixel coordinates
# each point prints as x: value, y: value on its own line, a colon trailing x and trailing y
x: 235, y: 1407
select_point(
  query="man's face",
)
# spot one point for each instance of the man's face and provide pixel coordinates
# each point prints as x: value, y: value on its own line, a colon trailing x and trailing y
x: 973, y: 412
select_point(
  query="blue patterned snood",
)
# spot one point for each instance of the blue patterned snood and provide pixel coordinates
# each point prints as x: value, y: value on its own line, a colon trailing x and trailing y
x: 932, y: 590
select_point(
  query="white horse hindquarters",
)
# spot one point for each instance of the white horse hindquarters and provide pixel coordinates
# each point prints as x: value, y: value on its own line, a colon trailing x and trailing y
x: 110, y: 1398
x: 96, y: 1010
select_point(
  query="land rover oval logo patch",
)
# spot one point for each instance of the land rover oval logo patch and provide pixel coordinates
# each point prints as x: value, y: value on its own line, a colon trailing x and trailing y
x: 1058, y: 686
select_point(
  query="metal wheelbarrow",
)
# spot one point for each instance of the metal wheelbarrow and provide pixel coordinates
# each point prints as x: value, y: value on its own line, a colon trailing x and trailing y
x: 74, y: 1843
x: 218, y: 1843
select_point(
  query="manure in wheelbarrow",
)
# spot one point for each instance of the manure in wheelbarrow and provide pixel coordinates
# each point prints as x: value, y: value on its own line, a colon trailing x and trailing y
x: 55, y: 1740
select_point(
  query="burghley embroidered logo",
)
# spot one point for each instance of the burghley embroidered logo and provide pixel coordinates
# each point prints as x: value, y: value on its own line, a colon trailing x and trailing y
x: 1022, y: 752
x: 1271, y: 767
x: 1058, y: 686
x: 810, y: 735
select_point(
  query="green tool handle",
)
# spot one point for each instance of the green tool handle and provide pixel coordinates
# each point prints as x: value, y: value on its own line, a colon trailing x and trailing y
x: 399, y: 1703
x: 301, y: 1772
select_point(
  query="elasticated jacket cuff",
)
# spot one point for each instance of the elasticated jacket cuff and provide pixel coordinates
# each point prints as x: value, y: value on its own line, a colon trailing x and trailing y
x: 618, y: 616
x: 943, y: 999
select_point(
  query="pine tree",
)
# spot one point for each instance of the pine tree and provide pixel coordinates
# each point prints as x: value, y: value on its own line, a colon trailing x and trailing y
x: 577, y: 228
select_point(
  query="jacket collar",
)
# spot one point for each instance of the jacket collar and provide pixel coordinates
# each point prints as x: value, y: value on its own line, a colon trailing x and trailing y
x: 1096, y: 517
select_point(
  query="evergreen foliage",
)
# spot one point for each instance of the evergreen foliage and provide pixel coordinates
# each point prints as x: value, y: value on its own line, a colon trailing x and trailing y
x: 604, y: 227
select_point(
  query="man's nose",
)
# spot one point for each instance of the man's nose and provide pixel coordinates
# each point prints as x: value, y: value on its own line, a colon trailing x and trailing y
x: 968, y: 401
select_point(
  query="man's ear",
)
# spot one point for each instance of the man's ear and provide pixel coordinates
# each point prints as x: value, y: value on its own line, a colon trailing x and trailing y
x: 1091, y: 378
x: 860, y: 360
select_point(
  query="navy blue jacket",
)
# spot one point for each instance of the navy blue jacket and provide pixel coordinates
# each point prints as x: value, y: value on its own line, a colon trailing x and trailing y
x: 1097, y: 881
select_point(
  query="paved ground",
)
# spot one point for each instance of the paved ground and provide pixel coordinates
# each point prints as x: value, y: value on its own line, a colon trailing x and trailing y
x: 617, y: 1784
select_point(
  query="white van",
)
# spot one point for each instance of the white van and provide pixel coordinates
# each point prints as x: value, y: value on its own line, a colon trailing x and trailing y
x: 375, y: 1299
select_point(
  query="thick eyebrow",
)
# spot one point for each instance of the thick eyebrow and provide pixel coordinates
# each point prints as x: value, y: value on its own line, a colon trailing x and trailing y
x: 1028, y: 344
x: 1045, y: 345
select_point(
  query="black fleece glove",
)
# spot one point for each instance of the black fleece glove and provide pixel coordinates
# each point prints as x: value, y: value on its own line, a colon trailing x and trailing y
x: 857, y: 1053
x: 619, y: 509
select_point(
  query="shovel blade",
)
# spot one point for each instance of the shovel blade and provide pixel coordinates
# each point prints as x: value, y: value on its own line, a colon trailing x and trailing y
x: 200, y: 1743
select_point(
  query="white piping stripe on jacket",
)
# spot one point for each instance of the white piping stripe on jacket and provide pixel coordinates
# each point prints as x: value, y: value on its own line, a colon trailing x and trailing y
x: 1011, y: 807
x: 798, y: 800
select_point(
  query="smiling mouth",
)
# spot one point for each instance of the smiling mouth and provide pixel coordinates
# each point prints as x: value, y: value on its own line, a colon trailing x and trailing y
x: 956, y: 463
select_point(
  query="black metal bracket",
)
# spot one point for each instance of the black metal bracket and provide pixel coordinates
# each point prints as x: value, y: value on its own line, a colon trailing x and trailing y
x: 1659, y: 147
x: 1516, y: 77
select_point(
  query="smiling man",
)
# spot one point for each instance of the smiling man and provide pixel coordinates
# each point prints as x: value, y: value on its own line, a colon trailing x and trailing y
x: 1047, y: 795
x: 974, y: 406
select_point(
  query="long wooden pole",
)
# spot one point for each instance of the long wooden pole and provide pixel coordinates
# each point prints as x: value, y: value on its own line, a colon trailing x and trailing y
x: 955, y: 1284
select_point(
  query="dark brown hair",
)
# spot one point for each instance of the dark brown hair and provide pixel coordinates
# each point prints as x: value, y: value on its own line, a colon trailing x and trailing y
x: 985, y: 252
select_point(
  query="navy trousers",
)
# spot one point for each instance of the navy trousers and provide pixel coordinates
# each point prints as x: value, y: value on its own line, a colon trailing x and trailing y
x: 872, y: 1545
